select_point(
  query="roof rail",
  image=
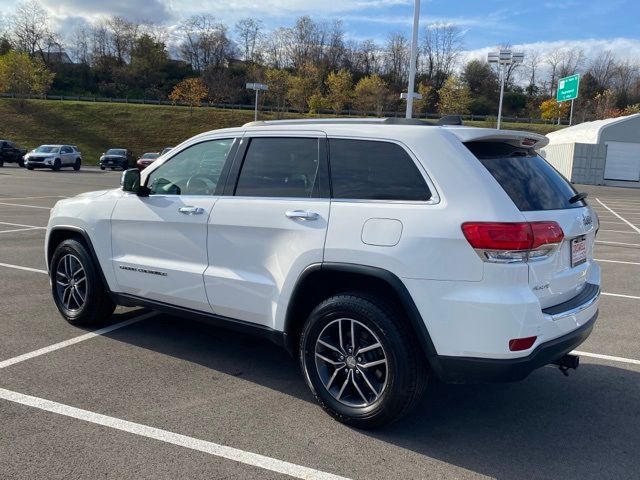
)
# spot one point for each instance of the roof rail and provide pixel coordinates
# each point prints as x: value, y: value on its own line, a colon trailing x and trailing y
x: 333, y: 121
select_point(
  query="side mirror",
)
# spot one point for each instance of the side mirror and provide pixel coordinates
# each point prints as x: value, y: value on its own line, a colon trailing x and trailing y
x: 130, y: 182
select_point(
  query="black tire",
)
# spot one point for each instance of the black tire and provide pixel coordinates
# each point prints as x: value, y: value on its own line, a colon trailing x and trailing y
x: 29, y: 168
x: 97, y: 305
x: 1, y: 163
x: 405, y: 376
x: 57, y: 165
x: 21, y: 163
x: 101, y: 167
x: 76, y: 165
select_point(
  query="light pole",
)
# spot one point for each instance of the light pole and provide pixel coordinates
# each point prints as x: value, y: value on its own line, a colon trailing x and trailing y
x: 503, y: 58
x: 257, y: 87
x: 411, y: 94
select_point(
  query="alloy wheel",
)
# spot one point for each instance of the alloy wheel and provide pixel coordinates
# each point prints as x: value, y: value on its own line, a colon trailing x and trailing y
x: 351, y: 362
x: 71, y: 282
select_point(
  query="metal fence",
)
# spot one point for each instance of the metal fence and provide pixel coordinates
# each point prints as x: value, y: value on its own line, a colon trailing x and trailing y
x: 271, y: 109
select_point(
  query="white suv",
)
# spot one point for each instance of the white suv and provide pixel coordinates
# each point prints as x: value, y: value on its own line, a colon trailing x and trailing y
x: 380, y: 253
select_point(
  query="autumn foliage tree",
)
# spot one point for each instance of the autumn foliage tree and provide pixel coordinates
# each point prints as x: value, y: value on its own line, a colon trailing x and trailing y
x: 454, y: 97
x: 191, y: 91
x: 340, y: 90
x: 551, y: 109
x: 23, y: 75
x: 371, y: 94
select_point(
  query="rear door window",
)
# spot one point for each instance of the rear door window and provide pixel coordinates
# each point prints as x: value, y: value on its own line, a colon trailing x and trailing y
x: 531, y: 183
x: 374, y: 170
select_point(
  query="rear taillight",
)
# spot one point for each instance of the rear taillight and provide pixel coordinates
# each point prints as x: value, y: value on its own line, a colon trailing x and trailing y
x: 513, y: 242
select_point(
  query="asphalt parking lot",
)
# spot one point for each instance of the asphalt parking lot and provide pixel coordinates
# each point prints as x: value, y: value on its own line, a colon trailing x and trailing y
x: 160, y: 397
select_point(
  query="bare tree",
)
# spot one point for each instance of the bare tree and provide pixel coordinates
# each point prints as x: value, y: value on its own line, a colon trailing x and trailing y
x: 274, y: 48
x: 603, y: 69
x: 205, y: 43
x: 30, y: 27
x: 122, y: 35
x: 441, y: 49
x: 397, y: 58
x: 305, y: 42
x: 249, y: 31
x: 531, y: 66
x: 562, y: 62
x: 335, y: 49
x: 79, y: 45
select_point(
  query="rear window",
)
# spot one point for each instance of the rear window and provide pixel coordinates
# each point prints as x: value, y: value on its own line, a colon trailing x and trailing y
x: 374, y: 170
x: 526, y: 177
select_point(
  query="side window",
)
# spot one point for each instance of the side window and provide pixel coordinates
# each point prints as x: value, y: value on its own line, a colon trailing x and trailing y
x: 374, y: 170
x: 280, y: 167
x: 193, y: 171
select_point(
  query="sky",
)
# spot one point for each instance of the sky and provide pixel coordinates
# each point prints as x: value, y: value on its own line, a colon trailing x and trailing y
x: 594, y: 25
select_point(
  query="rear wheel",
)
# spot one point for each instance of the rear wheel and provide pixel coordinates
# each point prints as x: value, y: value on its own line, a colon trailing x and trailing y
x: 29, y: 168
x: 57, y: 164
x: 78, y: 291
x: 76, y: 165
x: 21, y: 163
x: 1, y: 163
x: 360, y: 361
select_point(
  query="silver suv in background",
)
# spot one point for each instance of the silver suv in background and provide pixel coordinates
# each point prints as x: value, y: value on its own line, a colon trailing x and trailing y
x: 54, y: 157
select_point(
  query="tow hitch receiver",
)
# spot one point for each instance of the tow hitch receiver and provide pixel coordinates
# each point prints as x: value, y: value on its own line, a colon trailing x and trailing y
x: 567, y: 362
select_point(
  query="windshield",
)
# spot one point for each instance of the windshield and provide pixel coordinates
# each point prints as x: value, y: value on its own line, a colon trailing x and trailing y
x: 46, y: 149
x: 116, y: 151
x: 150, y: 155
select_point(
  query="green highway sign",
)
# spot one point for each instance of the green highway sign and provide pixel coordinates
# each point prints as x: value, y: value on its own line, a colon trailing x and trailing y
x: 568, y: 88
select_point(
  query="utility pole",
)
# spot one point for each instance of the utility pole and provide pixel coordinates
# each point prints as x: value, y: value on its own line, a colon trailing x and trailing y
x: 411, y: 94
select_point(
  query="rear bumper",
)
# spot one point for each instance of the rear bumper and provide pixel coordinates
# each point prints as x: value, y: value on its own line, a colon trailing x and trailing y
x: 487, y: 370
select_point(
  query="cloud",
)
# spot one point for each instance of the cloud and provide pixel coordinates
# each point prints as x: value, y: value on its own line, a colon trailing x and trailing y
x: 155, y: 11
x: 623, y: 48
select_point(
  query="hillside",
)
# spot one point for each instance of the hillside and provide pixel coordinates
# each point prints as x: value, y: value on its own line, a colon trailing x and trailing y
x: 95, y: 127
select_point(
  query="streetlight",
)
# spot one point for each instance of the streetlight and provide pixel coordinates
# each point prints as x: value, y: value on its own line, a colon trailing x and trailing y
x: 257, y: 87
x: 411, y: 94
x: 504, y: 58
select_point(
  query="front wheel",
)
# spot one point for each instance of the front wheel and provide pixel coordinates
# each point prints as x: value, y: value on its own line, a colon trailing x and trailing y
x: 76, y: 165
x: 21, y: 163
x: 78, y: 291
x: 360, y: 361
x: 57, y: 165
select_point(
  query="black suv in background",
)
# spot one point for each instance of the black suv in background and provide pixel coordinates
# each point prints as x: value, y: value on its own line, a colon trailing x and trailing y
x: 117, y: 158
x: 11, y: 153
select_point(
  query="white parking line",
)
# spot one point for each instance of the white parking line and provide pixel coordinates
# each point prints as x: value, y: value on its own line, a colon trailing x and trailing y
x: 617, y: 231
x: 26, y: 206
x: 607, y: 357
x: 17, y: 230
x: 621, y: 218
x: 615, y: 261
x: 33, y: 198
x: 22, y: 225
x: 26, y: 269
x: 215, y: 449
x: 73, y: 341
x: 604, y: 242
x: 633, y: 297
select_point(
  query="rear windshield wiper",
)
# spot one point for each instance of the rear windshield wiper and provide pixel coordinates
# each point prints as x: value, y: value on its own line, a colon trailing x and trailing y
x: 578, y: 196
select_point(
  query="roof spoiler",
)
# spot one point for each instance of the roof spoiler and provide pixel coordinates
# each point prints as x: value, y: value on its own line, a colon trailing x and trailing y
x: 450, y: 120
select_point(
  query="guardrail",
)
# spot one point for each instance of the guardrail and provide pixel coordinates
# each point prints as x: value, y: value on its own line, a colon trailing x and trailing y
x: 270, y: 108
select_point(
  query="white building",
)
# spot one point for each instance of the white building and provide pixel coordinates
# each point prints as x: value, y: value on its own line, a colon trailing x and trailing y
x: 604, y: 152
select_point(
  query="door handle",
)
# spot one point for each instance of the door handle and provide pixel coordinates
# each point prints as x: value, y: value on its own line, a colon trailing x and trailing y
x: 191, y: 210
x: 302, y: 214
